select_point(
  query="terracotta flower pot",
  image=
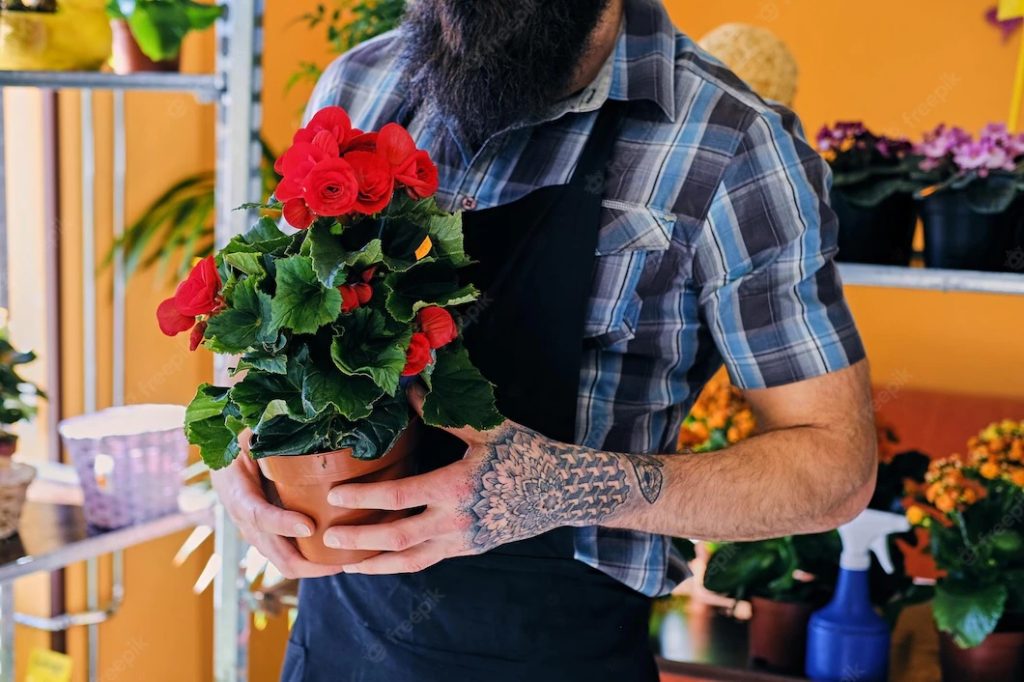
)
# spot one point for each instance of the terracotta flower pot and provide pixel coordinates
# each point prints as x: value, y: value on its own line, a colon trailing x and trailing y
x: 128, y: 56
x: 301, y: 483
x: 778, y: 635
x: 999, y: 657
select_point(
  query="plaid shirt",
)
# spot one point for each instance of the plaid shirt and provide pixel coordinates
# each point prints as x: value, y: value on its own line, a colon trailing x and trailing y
x: 716, y: 240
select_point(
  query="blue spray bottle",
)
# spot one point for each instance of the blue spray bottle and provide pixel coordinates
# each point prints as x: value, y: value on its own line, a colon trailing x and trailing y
x: 847, y: 641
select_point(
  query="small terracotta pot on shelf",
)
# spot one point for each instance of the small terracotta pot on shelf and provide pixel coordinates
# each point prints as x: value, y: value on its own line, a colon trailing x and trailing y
x: 999, y: 657
x: 127, y: 56
x: 301, y: 483
x: 778, y: 635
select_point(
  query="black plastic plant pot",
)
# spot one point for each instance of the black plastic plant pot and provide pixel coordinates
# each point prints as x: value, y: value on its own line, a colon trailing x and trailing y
x: 881, y: 235
x: 958, y: 237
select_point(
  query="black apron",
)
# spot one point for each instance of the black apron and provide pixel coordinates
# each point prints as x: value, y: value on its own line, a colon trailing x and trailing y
x: 527, y: 610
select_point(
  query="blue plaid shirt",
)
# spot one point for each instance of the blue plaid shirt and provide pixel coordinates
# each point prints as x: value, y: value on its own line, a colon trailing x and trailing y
x: 716, y: 240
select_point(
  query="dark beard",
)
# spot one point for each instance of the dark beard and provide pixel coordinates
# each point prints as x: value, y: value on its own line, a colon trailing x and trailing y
x: 484, y: 65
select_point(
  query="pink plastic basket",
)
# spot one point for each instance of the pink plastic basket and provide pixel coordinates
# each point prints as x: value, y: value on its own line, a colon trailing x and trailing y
x: 129, y: 461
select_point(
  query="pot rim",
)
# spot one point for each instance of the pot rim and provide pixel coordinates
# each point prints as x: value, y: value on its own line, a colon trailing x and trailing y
x: 336, y: 464
x: 16, y: 475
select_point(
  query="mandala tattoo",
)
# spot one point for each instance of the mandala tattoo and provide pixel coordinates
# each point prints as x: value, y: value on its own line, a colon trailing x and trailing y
x: 528, y: 485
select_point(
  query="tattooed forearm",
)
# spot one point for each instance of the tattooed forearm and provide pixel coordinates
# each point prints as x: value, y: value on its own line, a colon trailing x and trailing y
x: 527, y: 485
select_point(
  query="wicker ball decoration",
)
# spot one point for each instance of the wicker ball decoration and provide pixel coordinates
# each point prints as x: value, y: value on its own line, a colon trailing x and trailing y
x: 759, y: 57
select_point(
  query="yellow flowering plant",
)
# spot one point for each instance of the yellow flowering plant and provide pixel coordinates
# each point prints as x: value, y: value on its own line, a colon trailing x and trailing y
x: 973, y: 507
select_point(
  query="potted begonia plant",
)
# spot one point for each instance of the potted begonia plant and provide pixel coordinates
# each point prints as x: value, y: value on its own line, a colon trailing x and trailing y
x: 871, y: 194
x: 148, y: 33
x: 973, y: 508
x: 328, y: 323
x: 970, y: 196
x: 17, y: 404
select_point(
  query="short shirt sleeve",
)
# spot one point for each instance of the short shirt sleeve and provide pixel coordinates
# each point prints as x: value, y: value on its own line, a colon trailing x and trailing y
x: 769, y: 289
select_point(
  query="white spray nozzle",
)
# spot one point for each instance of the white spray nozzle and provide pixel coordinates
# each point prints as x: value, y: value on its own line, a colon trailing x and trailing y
x: 868, y: 533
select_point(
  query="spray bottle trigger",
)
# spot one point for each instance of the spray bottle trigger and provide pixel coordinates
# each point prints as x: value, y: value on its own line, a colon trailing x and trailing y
x: 880, y: 548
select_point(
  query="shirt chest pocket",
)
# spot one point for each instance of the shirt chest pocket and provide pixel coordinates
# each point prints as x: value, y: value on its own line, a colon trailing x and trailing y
x: 631, y: 235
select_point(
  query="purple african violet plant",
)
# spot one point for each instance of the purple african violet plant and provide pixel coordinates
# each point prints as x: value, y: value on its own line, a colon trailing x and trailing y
x: 866, y: 168
x: 988, y: 167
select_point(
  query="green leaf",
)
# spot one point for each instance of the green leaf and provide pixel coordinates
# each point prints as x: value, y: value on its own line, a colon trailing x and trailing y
x: 211, y: 424
x: 264, y: 233
x: 373, y: 436
x: 246, y: 323
x: 258, y: 390
x: 274, y: 364
x: 743, y: 569
x: 401, y: 236
x: 332, y: 256
x: 301, y: 303
x: 993, y: 194
x: 446, y: 234
x: 350, y: 396
x: 280, y: 435
x: 248, y: 263
x: 968, y: 612
x: 459, y: 395
x: 426, y: 285
x: 366, y: 346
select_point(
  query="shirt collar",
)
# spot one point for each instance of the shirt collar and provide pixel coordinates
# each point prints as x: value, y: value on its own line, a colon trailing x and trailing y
x: 641, y: 67
x: 645, y: 57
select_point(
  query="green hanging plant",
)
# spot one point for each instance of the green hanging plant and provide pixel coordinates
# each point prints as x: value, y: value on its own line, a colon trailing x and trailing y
x: 178, y: 226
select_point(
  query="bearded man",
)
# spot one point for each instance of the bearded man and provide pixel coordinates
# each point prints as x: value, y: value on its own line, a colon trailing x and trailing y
x: 639, y: 217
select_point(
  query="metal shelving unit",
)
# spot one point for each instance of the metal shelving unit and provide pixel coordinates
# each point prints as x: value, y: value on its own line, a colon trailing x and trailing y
x: 235, y: 89
x: 205, y: 86
x: 888, y: 276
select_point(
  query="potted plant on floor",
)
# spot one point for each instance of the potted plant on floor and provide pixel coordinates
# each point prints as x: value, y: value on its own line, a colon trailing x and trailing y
x: 53, y: 35
x: 17, y: 404
x: 787, y: 579
x: 328, y: 323
x: 148, y: 33
x: 973, y: 507
x: 871, y: 194
x: 970, y: 197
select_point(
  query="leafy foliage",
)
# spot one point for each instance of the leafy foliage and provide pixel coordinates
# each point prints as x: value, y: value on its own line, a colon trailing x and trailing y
x: 318, y: 377
x: 346, y: 24
x: 160, y: 26
x: 17, y: 396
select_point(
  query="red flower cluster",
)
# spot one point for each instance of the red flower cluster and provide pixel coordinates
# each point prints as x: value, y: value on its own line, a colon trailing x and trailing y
x: 198, y: 295
x: 333, y: 169
x: 437, y: 329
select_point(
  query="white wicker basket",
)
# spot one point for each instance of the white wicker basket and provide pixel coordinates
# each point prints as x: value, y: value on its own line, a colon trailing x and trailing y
x: 14, y: 480
x: 129, y: 461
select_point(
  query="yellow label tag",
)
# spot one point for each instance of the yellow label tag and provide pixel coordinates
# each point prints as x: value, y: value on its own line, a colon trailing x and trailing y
x: 48, y: 666
x: 424, y: 249
x: 1010, y: 9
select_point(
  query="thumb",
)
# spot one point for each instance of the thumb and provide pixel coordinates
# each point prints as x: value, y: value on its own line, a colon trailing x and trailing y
x: 417, y: 395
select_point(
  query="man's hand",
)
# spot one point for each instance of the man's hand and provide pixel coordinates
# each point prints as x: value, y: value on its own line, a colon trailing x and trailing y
x: 263, y: 525
x: 512, y: 484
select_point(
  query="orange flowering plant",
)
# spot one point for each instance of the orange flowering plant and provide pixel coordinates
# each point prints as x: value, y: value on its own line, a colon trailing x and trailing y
x: 719, y: 418
x: 973, y: 507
